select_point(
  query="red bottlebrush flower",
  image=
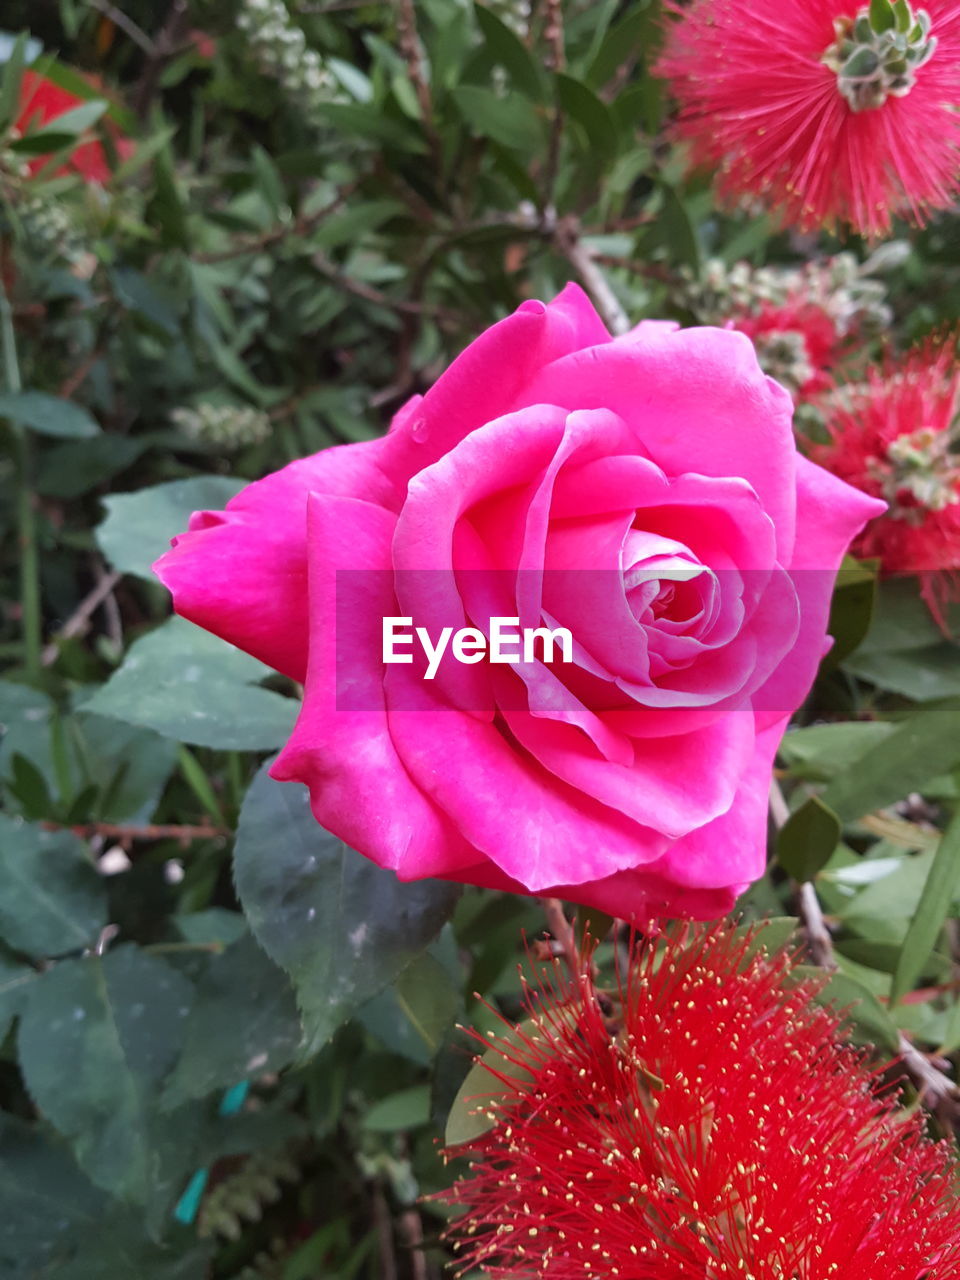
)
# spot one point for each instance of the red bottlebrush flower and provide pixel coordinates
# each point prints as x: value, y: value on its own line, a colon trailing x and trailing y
x: 894, y: 436
x: 831, y: 111
x: 797, y: 343
x: 42, y: 101
x: 718, y: 1129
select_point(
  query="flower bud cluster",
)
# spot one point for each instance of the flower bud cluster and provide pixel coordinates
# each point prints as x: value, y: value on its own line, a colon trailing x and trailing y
x: 280, y: 50
x: 49, y: 234
x: 226, y: 426
x: 843, y: 288
x: 877, y: 53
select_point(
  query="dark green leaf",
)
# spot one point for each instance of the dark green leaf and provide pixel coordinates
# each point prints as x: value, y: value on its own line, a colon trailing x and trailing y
x: 341, y: 927
x: 139, y: 526
x: 49, y: 415
x: 922, y: 747
x: 935, y: 905
x: 623, y: 42
x: 406, y: 1109
x: 51, y: 899
x: 851, y: 610
x: 507, y: 50
x: 510, y: 120
x: 808, y: 838
x: 592, y: 114
x: 243, y: 1023
x: 97, y: 1036
x: 869, y: 1021
x: 16, y: 979
x: 186, y: 684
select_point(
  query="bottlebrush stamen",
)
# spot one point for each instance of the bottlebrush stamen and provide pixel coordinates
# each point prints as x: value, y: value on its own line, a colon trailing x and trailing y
x: 718, y: 1128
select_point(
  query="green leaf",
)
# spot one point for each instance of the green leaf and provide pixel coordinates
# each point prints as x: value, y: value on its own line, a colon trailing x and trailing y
x: 74, y: 468
x: 243, y: 1023
x: 676, y: 230
x: 595, y: 118
x: 507, y: 50
x: 51, y: 899
x: 340, y: 926
x: 49, y: 415
x: 510, y: 120
x: 869, y: 1021
x: 921, y: 748
x: 79, y: 119
x: 139, y: 526
x: 12, y: 80
x: 45, y: 1202
x: 406, y: 1109
x: 97, y: 1036
x: 470, y: 1116
x: 623, y: 41
x: 936, y: 900
x: 819, y: 751
x: 851, y: 610
x: 922, y: 675
x: 188, y: 685
x: 808, y: 838
x: 15, y: 982
x: 770, y: 935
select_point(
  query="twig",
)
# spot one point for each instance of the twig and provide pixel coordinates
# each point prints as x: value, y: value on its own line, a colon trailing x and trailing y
x: 76, y: 379
x: 298, y: 227
x: 819, y: 941
x: 937, y: 1091
x: 411, y: 1228
x: 168, y: 42
x: 126, y: 25
x: 77, y: 621
x: 370, y: 294
x: 594, y: 281
x: 384, y: 1228
x: 565, y: 935
x: 408, y: 41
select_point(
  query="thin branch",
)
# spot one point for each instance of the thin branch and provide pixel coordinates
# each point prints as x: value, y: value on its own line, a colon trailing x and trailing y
x: 408, y: 41
x: 819, y: 940
x: 298, y: 227
x: 565, y: 935
x: 168, y: 43
x: 594, y: 281
x: 76, y: 623
x: 126, y: 25
x: 370, y: 294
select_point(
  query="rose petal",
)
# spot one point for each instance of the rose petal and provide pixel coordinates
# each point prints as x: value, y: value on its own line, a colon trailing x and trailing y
x: 359, y: 788
x: 242, y: 573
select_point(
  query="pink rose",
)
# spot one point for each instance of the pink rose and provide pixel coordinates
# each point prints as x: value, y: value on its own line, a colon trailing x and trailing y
x: 644, y: 492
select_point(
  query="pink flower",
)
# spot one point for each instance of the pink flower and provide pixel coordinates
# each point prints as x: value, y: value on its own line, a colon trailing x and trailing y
x: 895, y: 436
x: 711, y: 1122
x: 831, y: 111
x: 643, y: 492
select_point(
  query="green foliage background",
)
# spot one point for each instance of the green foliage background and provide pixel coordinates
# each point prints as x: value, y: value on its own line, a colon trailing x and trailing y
x: 275, y: 271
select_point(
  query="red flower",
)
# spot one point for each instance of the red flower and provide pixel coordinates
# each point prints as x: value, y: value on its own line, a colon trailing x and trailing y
x: 797, y: 343
x: 830, y: 110
x: 893, y: 436
x: 42, y: 101
x: 716, y: 1130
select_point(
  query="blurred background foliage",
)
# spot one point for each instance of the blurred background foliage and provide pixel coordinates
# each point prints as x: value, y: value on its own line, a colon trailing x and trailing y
x: 307, y: 209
